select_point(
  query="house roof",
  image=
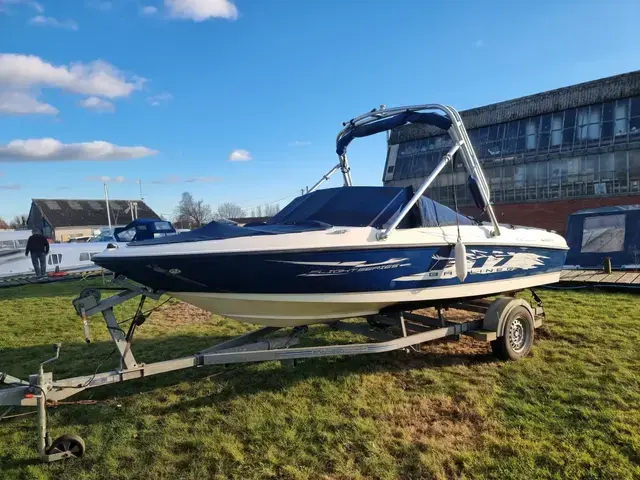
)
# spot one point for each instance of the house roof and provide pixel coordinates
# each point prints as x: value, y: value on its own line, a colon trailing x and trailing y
x: 89, y: 213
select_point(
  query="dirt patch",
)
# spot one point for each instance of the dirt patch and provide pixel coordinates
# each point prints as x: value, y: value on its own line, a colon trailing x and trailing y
x: 451, y: 347
x: 179, y: 313
x: 437, y: 421
x: 452, y: 314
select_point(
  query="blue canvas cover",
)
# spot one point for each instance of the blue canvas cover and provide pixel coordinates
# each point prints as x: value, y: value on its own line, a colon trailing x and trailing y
x: 322, y: 209
x: 614, y: 232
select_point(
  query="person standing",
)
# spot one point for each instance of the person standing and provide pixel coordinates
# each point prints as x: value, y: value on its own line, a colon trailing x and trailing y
x: 38, y: 247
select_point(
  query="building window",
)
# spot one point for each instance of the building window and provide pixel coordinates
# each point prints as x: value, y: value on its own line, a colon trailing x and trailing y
x: 556, y: 130
x: 545, y: 134
x: 582, y: 129
x: 634, y: 120
x: 621, y: 170
x: 607, y: 123
x: 634, y: 170
x: 604, y: 233
x: 568, y: 129
x: 532, y: 132
x: 622, y: 121
x: 593, y: 133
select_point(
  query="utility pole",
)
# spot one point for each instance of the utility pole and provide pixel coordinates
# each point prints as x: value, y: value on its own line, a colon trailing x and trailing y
x: 106, y: 200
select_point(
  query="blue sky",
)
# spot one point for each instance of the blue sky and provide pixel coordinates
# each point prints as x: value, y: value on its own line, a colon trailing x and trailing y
x: 189, y: 82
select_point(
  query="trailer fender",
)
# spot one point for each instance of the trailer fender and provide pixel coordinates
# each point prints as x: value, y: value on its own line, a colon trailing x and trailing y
x: 496, y: 316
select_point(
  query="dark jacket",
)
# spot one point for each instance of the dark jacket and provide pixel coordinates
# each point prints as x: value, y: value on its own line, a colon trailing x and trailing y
x: 37, y: 244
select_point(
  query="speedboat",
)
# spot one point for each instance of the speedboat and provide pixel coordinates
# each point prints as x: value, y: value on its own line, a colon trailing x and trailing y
x: 350, y: 251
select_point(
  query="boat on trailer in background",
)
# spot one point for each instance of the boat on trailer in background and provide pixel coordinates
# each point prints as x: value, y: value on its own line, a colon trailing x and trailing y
x: 78, y: 257
x: 374, y: 252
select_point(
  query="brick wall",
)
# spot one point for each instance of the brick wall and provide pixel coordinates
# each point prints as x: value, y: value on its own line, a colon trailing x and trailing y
x: 551, y: 215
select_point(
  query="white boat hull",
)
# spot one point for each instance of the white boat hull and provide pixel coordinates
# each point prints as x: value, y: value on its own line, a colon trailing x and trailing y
x: 291, y: 310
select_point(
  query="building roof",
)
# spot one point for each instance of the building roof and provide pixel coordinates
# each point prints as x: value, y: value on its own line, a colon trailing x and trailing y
x: 587, y: 93
x: 89, y: 213
x: 607, y: 210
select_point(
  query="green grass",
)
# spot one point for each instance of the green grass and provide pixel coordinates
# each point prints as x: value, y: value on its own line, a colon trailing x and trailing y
x: 571, y: 410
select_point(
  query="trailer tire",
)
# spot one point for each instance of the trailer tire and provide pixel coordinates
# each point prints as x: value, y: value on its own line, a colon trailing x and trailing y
x: 516, y: 340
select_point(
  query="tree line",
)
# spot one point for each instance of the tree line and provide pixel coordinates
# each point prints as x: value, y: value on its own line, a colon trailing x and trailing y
x: 19, y: 222
x: 192, y: 213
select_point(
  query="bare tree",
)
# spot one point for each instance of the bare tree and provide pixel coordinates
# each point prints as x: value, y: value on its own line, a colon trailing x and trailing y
x: 19, y: 222
x: 229, y: 210
x: 258, y: 211
x: 193, y: 213
x: 271, y: 210
x: 3, y: 225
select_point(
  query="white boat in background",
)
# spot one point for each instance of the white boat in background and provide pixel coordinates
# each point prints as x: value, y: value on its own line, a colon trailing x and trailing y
x: 78, y: 257
x: 13, y: 241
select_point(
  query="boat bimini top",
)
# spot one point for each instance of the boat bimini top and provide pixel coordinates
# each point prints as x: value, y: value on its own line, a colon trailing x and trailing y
x: 441, y: 116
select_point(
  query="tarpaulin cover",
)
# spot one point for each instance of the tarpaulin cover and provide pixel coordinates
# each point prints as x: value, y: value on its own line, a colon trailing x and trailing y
x: 388, y: 123
x: 614, y: 232
x: 322, y: 209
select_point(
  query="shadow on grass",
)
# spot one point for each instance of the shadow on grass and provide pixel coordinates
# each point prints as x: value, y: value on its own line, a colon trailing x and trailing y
x: 239, y: 379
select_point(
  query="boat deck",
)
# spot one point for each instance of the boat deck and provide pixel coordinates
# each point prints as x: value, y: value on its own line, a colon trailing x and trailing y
x: 599, y: 278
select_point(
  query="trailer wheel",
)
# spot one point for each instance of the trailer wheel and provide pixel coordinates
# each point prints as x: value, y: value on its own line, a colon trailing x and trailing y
x: 517, y: 338
x: 72, y: 444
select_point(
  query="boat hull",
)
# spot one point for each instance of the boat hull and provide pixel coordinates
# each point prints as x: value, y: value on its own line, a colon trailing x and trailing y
x: 303, y: 287
x: 282, y: 310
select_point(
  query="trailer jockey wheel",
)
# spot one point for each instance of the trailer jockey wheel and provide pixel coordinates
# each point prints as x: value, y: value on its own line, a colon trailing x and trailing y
x: 90, y: 292
x: 517, y: 339
x: 69, y: 444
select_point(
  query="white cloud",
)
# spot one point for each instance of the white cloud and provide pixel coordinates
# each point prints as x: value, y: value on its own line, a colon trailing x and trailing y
x: 160, y: 99
x: 43, y: 21
x: 11, y: 186
x: 95, y: 78
x: 97, y: 104
x: 21, y: 103
x: 200, y: 10
x: 478, y: 43
x: 299, y: 143
x: 210, y: 179
x: 105, y: 179
x: 239, y: 156
x: 50, y: 149
x: 173, y: 179
x: 149, y: 10
x: 35, y: 5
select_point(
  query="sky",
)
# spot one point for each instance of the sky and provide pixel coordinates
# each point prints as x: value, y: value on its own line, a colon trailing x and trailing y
x: 241, y: 100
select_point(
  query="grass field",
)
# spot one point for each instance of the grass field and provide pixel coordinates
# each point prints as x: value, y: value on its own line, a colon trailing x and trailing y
x: 571, y: 410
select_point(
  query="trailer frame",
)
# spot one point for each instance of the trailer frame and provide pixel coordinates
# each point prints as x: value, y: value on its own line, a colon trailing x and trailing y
x: 508, y: 323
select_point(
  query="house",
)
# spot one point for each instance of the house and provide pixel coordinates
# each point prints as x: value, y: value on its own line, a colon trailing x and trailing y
x: 62, y: 219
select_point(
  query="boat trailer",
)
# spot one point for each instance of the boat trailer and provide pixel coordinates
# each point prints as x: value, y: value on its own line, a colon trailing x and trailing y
x: 508, y: 323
